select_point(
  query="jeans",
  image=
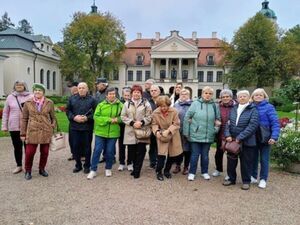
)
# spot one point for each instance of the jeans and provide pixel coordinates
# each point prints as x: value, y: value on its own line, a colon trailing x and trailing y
x: 199, y: 149
x: 18, y: 146
x: 107, y: 144
x: 262, y: 151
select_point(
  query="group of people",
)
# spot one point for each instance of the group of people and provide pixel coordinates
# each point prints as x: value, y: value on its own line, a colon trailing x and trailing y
x: 177, y: 129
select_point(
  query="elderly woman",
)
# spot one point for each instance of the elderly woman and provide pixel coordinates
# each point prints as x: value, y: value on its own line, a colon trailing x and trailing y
x: 107, y: 131
x: 182, y: 105
x: 37, y: 128
x: 11, y: 119
x: 225, y: 105
x: 165, y: 126
x: 241, y: 128
x: 201, y: 123
x: 267, y: 119
x: 136, y: 114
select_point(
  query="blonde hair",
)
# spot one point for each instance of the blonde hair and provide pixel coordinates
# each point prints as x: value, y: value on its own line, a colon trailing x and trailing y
x: 243, y: 92
x: 208, y: 88
x: 163, y: 100
x: 260, y: 90
x: 185, y: 91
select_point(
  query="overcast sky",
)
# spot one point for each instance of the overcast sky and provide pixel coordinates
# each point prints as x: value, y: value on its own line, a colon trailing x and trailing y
x: 49, y: 17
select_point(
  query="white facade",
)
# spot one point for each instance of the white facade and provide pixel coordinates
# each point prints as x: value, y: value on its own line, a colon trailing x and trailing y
x: 2, y: 58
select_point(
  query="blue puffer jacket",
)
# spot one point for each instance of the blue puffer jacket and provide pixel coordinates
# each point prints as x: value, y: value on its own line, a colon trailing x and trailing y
x: 182, y: 108
x: 246, y: 128
x: 268, y: 118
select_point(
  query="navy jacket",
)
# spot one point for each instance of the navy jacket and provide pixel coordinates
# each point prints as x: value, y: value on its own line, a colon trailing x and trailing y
x: 81, y: 106
x: 246, y: 128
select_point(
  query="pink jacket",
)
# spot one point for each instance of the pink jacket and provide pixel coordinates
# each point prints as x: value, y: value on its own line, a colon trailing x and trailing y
x: 12, y: 112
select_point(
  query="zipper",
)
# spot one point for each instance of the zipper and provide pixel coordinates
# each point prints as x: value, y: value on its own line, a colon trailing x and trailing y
x: 110, y: 123
x: 206, y: 121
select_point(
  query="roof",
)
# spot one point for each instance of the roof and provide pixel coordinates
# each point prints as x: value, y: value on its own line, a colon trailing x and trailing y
x: 14, y: 42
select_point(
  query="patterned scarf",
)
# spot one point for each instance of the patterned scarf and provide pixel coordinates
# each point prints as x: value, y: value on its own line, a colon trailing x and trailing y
x: 39, y: 103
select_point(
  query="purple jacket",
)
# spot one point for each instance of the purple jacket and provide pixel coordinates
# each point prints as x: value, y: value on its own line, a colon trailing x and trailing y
x: 12, y: 112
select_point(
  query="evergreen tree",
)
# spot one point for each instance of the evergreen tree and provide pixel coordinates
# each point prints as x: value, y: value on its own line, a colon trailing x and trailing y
x: 5, y: 22
x: 25, y: 27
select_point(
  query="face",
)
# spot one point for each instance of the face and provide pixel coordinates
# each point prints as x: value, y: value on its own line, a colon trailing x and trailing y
x: 74, y: 90
x: 126, y: 95
x: 19, y: 87
x: 258, y: 97
x: 111, y: 96
x: 243, y: 99
x: 148, y: 86
x: 136, y: 95
x: 38, y: 93
x: 82, y: 89
x: 207, y: 95
x: 178, y: 89
x: 154, y: 92
x: 101, y: 86
x: 226, y: 98
x: 164, y: 108
x: 184, y: 96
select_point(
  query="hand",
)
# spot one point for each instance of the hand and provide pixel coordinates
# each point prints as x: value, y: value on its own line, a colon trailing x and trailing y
x: 165, y: 133
x: 217, y: 123
x: 158, y: 135
x: 23, y: 138
x: 78, y: 119
x: 271, y: 142
x: 229, y: 139
x: 137, y: 124
x: 114, y: 120
x: 84, y: 118
x: 237, y: 141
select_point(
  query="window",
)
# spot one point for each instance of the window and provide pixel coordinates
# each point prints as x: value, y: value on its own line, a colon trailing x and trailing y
x: 28, y: 70
x: 139, y: 75
x: 201, y: 76
x: 219, y: 76
x: 47, y: 48
x: 210, y: 60
x: 48, y: 79
x: 163, y: 62
x: 42, y: 46
x: 174, y: 62
x: 139, y: 60
x: 199, y: 92
x: 162, y: 74
x: 218, y: 91
x: 147, y: 74
x: 173, y: 74
x: 116, y: 75
x: 185, y: 74
x: 130, y: 75
x: 210, y: 76
x: 54, y: 80
x: 42, y: 76
x: 185, y: 62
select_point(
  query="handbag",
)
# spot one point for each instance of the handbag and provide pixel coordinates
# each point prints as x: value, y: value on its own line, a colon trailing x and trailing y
x: 142, y: 133
x: 58, y: 141
x: 231, y: 147
x: 263, y: 134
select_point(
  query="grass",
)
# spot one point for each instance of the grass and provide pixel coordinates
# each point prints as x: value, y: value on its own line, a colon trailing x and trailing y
x: 286, y: 114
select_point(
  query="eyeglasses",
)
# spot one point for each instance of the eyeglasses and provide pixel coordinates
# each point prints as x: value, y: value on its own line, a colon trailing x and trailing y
x: 226, y: 96
x: 153, y: 90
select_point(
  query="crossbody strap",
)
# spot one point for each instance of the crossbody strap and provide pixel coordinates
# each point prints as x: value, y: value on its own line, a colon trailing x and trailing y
x: 18, y: 103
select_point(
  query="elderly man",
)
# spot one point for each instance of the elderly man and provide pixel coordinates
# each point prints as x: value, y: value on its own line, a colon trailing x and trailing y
x: 101, y: 85
x: 80, y: 111
x: 148, y: 84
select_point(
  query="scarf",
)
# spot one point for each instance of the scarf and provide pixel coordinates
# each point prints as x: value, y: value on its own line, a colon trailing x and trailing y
x: 240, y: 109
x: 39, y: 103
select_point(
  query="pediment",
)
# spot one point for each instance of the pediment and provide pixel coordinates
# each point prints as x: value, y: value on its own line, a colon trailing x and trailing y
x: 174, y: 44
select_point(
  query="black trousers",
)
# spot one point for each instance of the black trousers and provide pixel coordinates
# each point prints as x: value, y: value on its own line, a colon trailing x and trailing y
x: 161, y: 163
x: 246, y: 162
x: 138, y: 152
x: 122, y: 149
x: 153, y: 150
x: 184, y: 157
x: 18, y: 146
x: 219, y: 156
x: 82, y: 141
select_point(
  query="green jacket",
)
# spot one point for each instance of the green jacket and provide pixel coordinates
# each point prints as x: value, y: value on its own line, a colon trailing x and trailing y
x: 199, y: 121
x: 103, y: 115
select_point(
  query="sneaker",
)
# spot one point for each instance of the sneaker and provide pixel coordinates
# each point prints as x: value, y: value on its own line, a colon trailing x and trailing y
x: 191, y: 177
x: 245, y: 187
x: 253, y: 180
x: 108, y: 173
x: 130, y: 167
x: 18, y: 169
x: 226, y: 178
x: 121, y: 167
x: 91, y: 175
x: 28, y: 176
x: 205, y: 176
x: 228, y: 183
x: 262, y: 184
x: 216, y: 173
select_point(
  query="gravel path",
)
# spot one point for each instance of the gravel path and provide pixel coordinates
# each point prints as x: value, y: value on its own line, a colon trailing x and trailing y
x: 65, y: 198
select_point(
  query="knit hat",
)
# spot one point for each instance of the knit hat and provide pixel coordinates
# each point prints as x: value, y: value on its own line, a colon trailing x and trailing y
x: 39, y: 86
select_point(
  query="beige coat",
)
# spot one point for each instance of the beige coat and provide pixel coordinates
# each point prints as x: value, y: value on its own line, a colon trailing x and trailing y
x: 130, y: 113
x: 37, y: 126
x: 172, y: 123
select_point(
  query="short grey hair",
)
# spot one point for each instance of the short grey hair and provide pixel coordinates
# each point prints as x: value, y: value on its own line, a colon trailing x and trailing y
x: 226, y: 92
x: 152, y: 81
x: 243, y: 92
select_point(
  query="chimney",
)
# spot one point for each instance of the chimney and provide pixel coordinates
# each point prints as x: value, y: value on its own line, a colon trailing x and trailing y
x: 194, y: 35
x: 214, y: 34
x: 138, y: 35
x: 157, y: 36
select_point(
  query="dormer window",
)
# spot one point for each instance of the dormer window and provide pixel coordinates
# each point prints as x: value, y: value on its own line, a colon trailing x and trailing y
x: 47, y: 48
x: 210, y: 60
x: 139, y: 60
x: 42, y: 46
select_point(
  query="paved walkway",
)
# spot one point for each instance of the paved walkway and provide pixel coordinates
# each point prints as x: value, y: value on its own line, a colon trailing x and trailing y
x: 67, y: 198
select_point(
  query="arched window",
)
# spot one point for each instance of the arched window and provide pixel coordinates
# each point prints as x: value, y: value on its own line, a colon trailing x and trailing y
x: 48, y: 79
x: 42, y: 76
x: 218, y: 91
x: 54, y: 80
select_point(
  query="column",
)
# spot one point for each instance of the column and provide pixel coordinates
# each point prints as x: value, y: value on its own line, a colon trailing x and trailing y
x: 152, y: 69
x: 179, y: 75
x: 195, y: 69
x: 167, y: 68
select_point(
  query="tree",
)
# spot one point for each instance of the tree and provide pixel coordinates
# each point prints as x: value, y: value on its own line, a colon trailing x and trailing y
x: 252, y: 54
x: 25, y: 27
x: 92, y: 46
x: 5, y: 22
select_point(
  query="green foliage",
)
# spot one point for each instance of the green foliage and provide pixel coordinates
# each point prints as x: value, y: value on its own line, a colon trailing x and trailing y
x: 287, y: 149
x: 292, y: 90
x: 5, y: 22
x: 25, y: 26
x: 287, y: 107
x: 92, y: 45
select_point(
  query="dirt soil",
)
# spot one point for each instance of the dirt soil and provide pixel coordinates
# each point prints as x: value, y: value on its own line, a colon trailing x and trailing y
x: 65, y: 198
